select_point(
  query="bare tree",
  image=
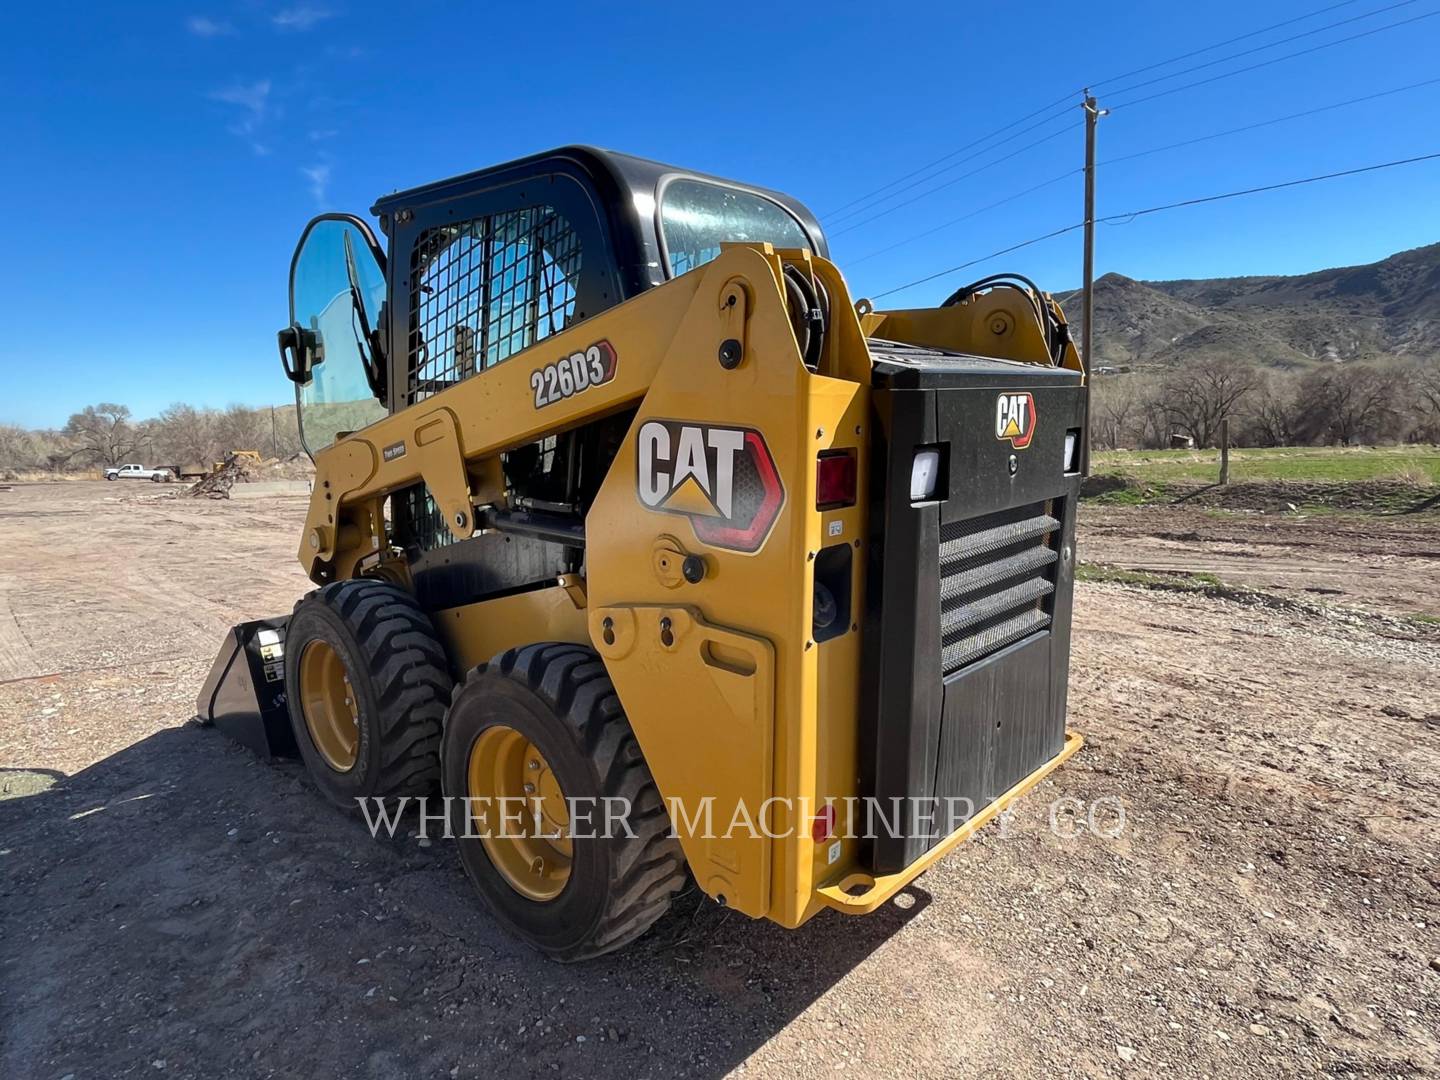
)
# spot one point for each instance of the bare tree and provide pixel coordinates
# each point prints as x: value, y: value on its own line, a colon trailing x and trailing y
x: 1274, y: 417
x: 181, y: 435
x: 104, y: 433
x: 1349, y: 404
x: 185, y: 434
x: 1426, y: 398
x: 14, y: 446
x: 19, y: 447
x: 240, y: 427
x: 1153, y: 419
x: 1115, y: 411
x: 1199, y: 395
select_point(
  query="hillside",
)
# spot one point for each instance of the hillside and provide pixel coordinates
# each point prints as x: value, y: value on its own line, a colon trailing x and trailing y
x: 1380, y: 310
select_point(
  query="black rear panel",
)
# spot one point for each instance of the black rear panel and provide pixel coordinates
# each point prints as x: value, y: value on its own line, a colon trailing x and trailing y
x: 968, y: 602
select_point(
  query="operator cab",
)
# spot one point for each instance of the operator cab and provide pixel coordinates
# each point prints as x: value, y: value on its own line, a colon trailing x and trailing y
x: 481, y: 267
x: 484, y: 265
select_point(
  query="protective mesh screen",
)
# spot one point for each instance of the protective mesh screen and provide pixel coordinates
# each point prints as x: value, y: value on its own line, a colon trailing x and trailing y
x: 416, y: 519
x: 484, y: 289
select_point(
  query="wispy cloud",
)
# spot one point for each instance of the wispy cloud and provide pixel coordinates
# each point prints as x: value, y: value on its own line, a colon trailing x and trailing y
x: 319, y: 177
x: 206, y: 27
x: 254, y: 98
x: 253, y: 101
x: 301, y: 17
x: 321, y: 134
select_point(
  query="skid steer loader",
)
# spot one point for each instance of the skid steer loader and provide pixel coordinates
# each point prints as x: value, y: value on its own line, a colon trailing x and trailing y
x: 653, y: 551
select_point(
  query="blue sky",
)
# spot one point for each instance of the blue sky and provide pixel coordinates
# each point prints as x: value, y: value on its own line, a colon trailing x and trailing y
x: 163, y: 159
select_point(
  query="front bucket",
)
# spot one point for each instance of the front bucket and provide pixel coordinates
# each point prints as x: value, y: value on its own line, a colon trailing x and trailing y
x: 244, y: 695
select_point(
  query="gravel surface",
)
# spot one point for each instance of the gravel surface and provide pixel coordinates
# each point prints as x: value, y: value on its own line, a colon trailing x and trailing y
x: 1259, y: 894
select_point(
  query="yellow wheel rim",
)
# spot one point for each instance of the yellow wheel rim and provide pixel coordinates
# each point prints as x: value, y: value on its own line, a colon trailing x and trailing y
x: 519, y: 813
x: 327, y: 701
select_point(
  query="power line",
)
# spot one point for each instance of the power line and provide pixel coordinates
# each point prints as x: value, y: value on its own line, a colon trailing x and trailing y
x: 1131, y: 215
x: 1070, y: 126
x: 1269, y: 45
x: 966, y: 217
x: 1222, y: 44
x: 1136, y: 101
x: 983, y: 258
x: 1139, y: 154
x: 1267, y: 123
x: 1050, y: 110
x: 1272, y: 60
x: 915, y: 174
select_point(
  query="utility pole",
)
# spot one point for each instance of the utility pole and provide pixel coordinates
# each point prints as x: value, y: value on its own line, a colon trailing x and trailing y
x: 1092, y: 117
x: 274, y: 438
x: 1224, y: 450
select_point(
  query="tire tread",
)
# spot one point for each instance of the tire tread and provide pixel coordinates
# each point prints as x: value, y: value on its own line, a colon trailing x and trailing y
x: 411, y: 678
x: 572, y: 680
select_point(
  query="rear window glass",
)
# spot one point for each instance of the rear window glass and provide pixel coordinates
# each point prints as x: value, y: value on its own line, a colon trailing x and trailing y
x: 696, y: 218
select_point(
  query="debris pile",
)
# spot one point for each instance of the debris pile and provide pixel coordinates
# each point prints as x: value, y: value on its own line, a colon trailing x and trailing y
x: 218, y: 484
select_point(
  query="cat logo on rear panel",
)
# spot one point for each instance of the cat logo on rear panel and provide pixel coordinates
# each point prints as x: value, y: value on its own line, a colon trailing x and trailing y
x: 1015, y: 419
x: 722, y: 478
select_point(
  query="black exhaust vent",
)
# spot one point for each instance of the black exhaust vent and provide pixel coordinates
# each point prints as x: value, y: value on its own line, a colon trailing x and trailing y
x: 997, y: 575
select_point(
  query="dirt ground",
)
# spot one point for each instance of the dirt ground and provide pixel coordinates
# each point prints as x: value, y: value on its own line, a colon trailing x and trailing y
x: 1269, y: 906
x: 1379, y: 562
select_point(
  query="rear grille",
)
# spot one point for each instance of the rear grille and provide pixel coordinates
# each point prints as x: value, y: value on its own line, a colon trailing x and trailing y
x: 997, y: 574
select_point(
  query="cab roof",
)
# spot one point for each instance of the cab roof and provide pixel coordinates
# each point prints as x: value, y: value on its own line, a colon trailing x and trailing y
x: 628, y: 185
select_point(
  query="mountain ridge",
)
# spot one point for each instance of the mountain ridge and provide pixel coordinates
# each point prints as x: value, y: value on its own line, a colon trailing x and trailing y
x: 1380, y: 311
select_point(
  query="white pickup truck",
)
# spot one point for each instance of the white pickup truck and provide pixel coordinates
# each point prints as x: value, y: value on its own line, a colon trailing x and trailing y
x: 138, y: 472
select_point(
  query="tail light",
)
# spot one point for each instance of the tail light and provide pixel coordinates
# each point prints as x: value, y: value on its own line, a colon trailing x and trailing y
x: 823, y: 827
x: 835, y: 479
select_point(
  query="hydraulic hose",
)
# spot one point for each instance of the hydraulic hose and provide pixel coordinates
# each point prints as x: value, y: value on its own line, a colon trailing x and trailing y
x: 1056, y: 332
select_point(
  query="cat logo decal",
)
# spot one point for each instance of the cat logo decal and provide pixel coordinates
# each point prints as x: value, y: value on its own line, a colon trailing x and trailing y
x: 1015, y: 419
x: 722, y: 478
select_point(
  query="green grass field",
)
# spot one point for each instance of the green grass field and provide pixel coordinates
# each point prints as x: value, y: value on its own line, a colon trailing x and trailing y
x: 1413, y: 464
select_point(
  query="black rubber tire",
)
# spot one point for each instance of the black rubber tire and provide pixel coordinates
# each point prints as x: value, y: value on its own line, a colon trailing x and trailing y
x: 559, y: 697
x: 398, y: 671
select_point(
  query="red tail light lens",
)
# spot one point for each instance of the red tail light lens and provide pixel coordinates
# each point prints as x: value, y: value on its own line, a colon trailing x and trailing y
x: 835, y: 480
x: 823, y: 827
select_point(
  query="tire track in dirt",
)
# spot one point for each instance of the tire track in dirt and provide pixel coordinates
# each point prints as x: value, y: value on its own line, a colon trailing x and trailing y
x: 1380, y: 562
x: 17, y: 658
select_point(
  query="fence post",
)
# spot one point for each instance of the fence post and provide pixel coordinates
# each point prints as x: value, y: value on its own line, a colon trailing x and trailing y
x: 1225, y: 450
